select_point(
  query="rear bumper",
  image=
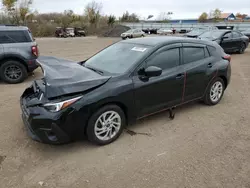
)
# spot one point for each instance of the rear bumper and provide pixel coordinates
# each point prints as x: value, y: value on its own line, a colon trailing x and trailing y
x: 32, y: 65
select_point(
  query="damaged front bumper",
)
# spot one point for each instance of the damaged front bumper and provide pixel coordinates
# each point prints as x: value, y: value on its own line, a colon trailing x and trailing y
x: 42, y: 125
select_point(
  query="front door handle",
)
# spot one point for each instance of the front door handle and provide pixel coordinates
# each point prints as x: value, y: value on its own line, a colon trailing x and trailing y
x: 179, y: 76
x: 210, y: 65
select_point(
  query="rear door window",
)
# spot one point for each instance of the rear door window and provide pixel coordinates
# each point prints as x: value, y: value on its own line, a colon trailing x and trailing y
x: 192, y: 54
x: 236, y: 35
x: 228, y: 35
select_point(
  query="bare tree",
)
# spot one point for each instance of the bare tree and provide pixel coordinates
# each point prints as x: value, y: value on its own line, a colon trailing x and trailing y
x: 164, y: 16
x: 93, y: 12
x: 24, y: 9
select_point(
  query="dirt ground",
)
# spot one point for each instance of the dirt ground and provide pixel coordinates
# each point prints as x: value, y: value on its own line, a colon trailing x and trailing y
x: 202, y: 147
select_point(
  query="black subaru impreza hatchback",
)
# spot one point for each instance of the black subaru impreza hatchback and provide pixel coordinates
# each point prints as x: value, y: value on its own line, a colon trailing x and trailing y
x: 126, y: 81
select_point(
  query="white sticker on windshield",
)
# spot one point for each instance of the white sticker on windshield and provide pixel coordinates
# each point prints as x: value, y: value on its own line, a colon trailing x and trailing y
x: 138, y: 49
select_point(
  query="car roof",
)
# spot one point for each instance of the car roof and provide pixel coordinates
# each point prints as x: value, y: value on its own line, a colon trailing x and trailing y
x: 163, y: 40
x: 219, y: 30
x: 12, y: 28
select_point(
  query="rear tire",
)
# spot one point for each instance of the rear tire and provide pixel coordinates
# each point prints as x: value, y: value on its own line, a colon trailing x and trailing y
x: 13, y: 72
x: 102, y: 129
x: 242, y: 48
x: 215, y: 92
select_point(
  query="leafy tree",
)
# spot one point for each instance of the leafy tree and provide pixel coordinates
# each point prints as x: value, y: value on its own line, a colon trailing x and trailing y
x: 127, y: 17
x: 18, y: 10
x: 216, y: 14
x: 203, y: 17
x: 111, y: 20
x: 242, y: 16
x: 9, y: 4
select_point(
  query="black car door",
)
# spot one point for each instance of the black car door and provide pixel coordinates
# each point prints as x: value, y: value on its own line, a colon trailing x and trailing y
x: 236, y: 44
x: 227, y: 42
x: 196, y: 62
x: 155, y: 93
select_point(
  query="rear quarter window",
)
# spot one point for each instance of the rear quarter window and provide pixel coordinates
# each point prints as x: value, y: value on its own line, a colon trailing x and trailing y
x: 15, y: 37
x: 215, y: 51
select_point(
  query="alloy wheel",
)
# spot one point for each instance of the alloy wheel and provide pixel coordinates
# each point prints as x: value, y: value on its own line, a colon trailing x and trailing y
x: 13, y: 72
x: 107, y: 125
x: 216, y: 91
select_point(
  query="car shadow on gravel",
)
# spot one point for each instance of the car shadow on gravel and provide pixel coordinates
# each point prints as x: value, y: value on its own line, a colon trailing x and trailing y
x: 141, y: 127
x: 37, y: 74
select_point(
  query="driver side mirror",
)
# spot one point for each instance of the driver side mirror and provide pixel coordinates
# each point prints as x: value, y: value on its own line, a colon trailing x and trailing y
x: 224, y: 37
x: 152, y: 71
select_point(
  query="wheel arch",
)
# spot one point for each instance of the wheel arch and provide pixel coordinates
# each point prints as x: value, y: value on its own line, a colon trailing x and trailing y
x: 123, y: 107
x: 224, y: 80
x: 117, y: 103
x: 15, y: 58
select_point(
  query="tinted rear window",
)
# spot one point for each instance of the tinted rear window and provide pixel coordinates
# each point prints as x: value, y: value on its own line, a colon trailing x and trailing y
x: 15, y: 37
x: 215, y: 51
x: 192, y: 54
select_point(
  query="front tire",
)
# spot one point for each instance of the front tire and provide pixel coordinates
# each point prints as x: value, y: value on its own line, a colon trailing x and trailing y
x: 215, y: 92
x: 106, y: 125
x: 13, y: 72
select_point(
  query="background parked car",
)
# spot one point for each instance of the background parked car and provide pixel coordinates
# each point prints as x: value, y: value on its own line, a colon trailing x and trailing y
x: 163, y: 31
x: 18, y: 53
x: 197, y: 31
x: 70, y: 32
x: 133, y: 33
x: 79, y: 32
x: 60, y: 32
x: 150, y: 31
x: 246, y: 32
x: 230, y: 41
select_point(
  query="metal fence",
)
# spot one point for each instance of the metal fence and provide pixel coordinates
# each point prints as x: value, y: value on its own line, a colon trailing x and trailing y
x: 241, y: 26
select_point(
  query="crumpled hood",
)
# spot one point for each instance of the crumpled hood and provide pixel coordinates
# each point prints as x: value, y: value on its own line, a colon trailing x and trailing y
x: 194, y: 33
x: 64, y: 77
x: 208, y: 38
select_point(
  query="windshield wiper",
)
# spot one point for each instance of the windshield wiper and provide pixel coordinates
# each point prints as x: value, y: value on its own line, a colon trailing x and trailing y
x: 95, y: 70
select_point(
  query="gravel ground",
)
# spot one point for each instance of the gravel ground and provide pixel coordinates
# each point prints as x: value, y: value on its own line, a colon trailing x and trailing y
x: 202, y: 147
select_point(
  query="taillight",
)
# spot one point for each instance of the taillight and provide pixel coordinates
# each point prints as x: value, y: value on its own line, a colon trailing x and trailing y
x: 34, y: 50
x: 227, y: 57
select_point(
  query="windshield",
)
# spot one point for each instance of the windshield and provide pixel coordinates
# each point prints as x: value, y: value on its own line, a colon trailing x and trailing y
x: 129, y: 31
x: 117, y: 58
x: 211, y: 34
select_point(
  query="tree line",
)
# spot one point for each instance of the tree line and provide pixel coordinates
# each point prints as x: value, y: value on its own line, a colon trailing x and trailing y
x: 18, y: 12
x: 215, y: 16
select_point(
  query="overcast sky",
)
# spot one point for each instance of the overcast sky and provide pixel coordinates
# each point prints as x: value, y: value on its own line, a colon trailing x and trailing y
x: 180, y: 8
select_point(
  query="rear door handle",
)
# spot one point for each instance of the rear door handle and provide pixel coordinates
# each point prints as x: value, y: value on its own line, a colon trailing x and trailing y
x: 210, y: 65
x: 179, y: 76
